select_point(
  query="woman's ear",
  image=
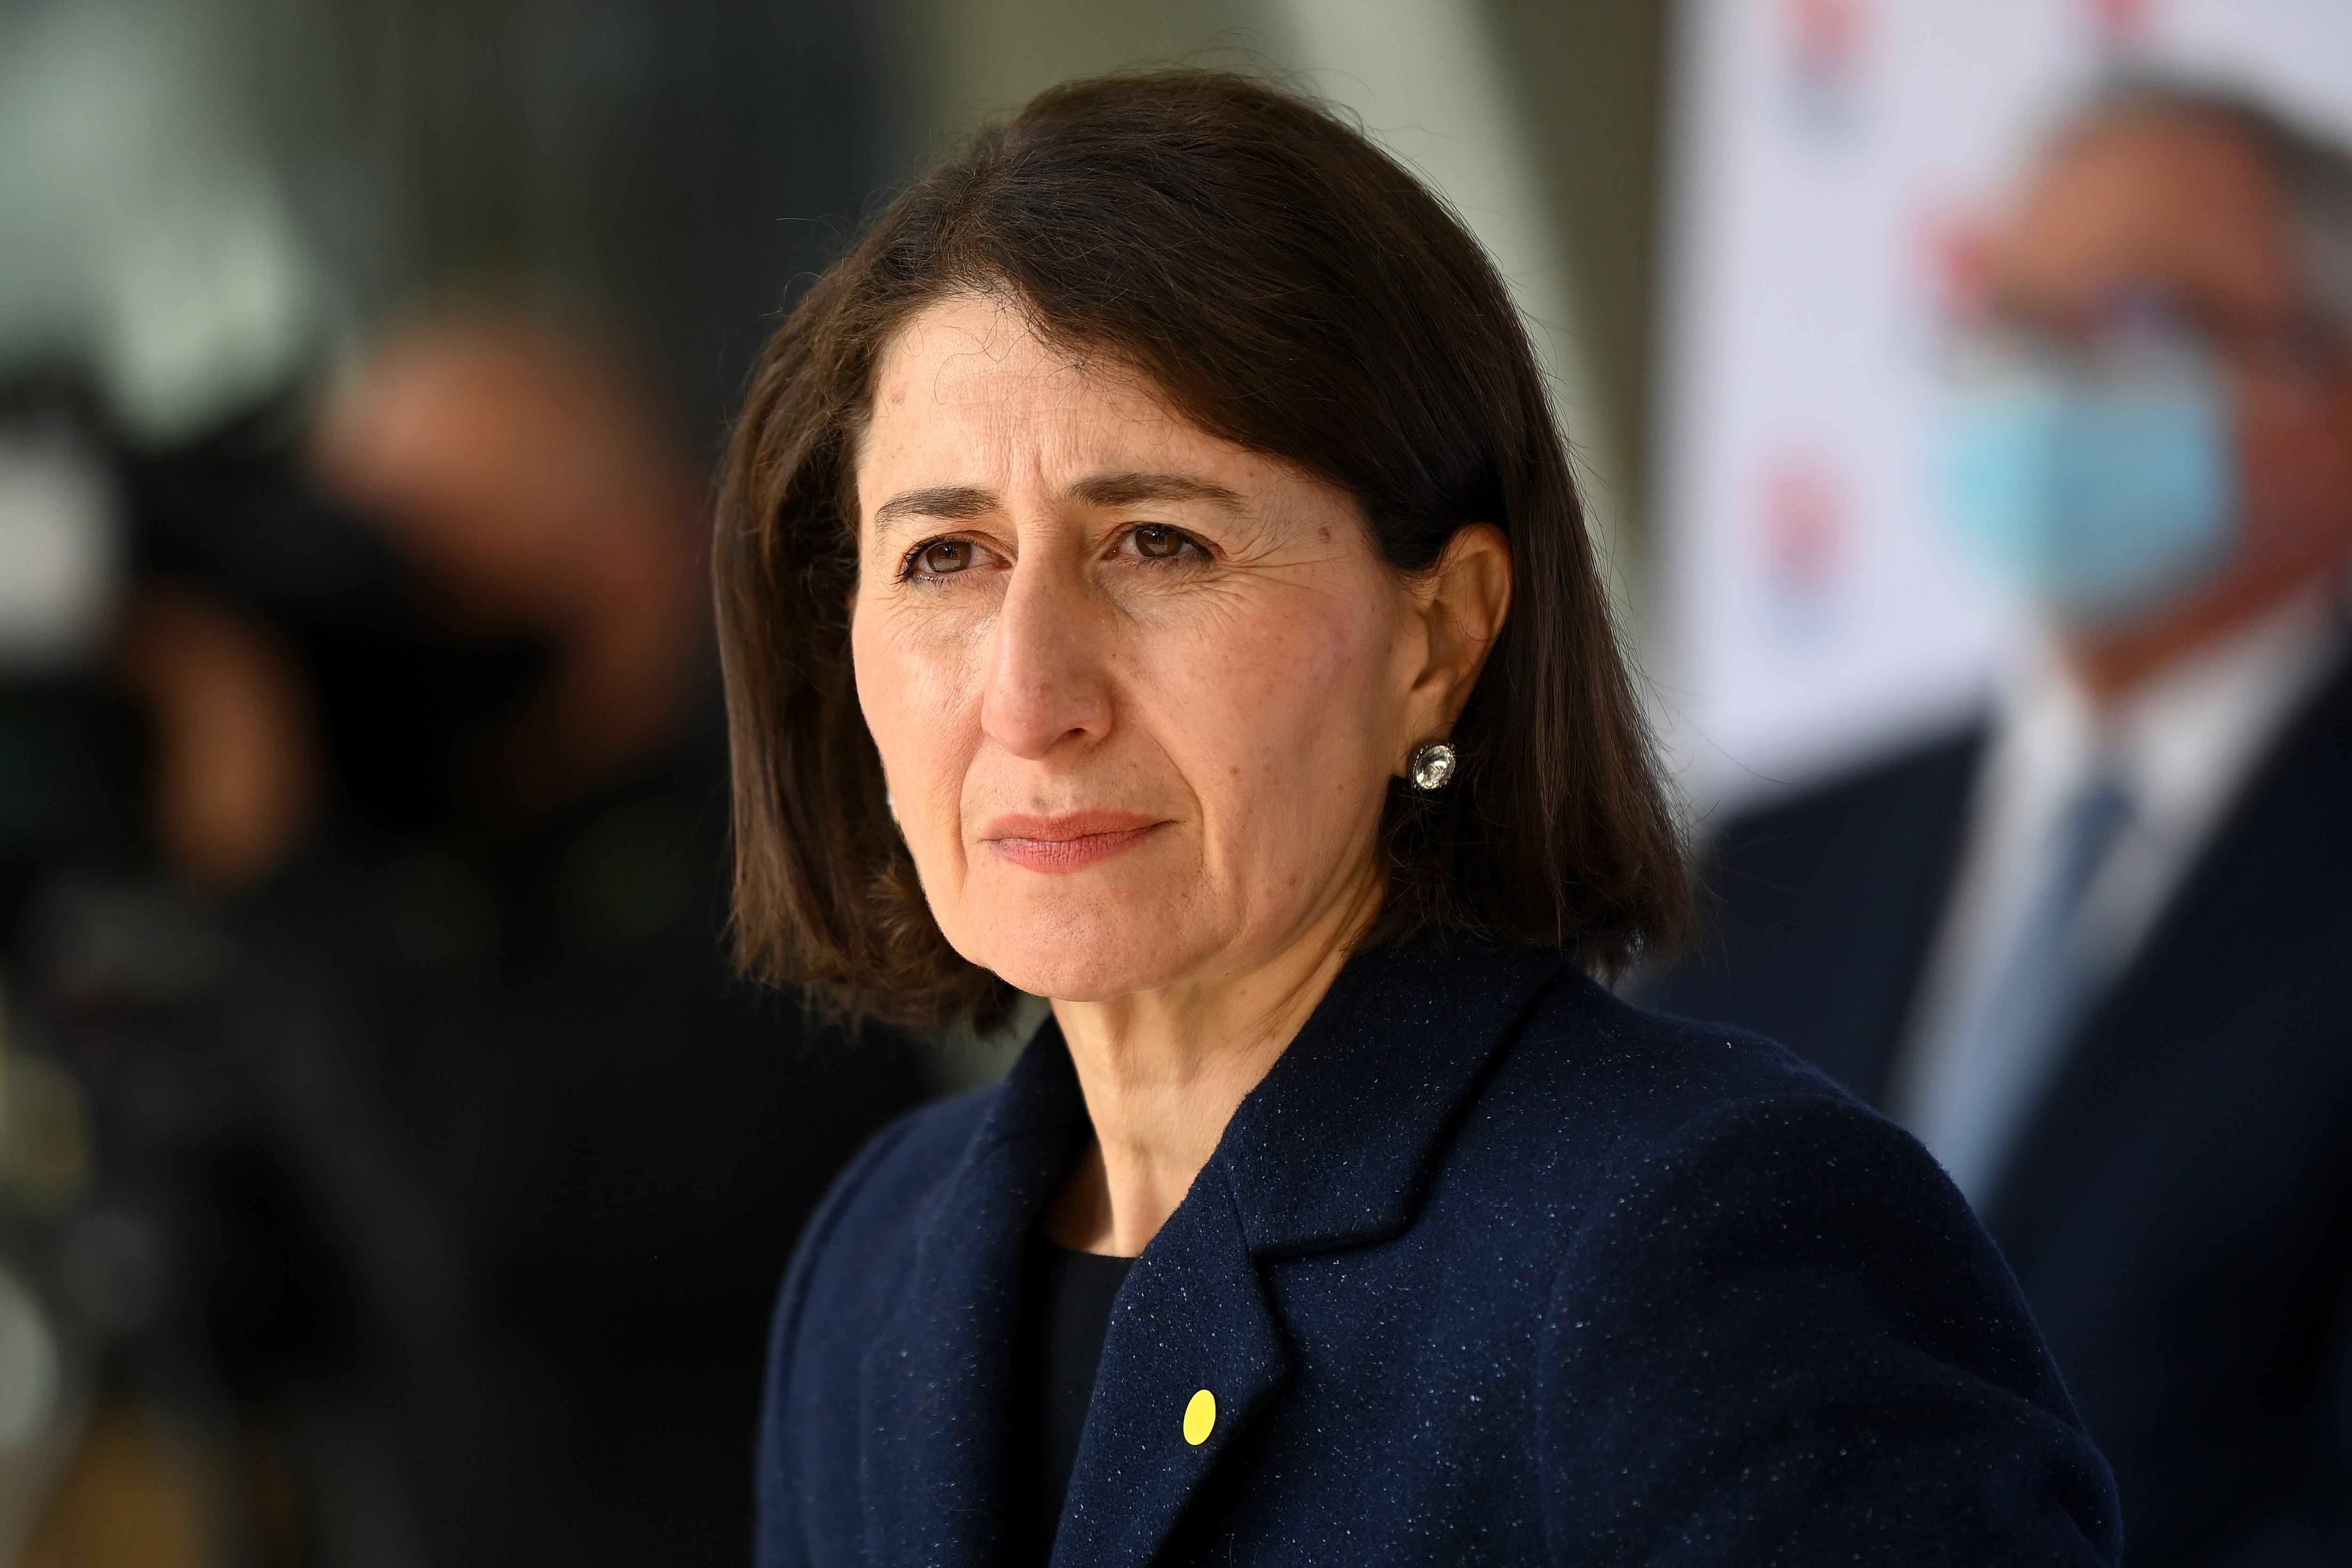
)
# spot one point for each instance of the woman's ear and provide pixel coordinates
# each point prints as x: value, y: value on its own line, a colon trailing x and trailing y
x: 1463, y: 602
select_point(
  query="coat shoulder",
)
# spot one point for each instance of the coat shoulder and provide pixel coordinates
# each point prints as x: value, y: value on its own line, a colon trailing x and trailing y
x: 1709, y: 1214
x: 1599, y: 1109
x: 902, y: 1169
x: 855, y: 1241
x: 1597, y: 1061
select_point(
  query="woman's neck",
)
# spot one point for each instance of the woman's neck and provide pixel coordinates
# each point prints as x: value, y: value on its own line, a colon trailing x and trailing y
x: 1163, y: 1072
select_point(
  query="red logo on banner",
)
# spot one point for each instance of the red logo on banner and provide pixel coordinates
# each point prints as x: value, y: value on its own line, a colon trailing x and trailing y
x: 2121, y: 26
x: 1953, y: 246
x: 1823, y: 44
x: 1826, y: 37
x: 1805, y: 537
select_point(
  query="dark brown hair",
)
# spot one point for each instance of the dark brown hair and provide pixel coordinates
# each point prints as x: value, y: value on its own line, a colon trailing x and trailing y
x: 1287, y: 287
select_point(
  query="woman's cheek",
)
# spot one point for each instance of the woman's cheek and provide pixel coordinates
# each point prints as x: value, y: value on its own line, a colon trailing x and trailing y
x: 895, y: 691
x: 1316, y: 673
x: 1288, y: 713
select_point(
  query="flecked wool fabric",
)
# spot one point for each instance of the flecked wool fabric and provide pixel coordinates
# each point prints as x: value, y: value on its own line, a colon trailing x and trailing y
x: 1492, y: 1269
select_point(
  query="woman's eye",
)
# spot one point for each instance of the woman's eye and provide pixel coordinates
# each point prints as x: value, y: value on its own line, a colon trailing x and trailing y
x: 942, y: 557
x: 1158, y: 541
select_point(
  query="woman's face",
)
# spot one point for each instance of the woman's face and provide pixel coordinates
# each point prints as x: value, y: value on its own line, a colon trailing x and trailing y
x: 1139, y: 692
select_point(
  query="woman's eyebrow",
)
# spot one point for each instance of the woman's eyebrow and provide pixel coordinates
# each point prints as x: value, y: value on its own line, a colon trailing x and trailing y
x: 940, y: 503
x: 1128, y: 489
x: 961, y: 504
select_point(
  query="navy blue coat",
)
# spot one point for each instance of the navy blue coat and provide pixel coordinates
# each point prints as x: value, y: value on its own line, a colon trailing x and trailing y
x: 1492, y: 1269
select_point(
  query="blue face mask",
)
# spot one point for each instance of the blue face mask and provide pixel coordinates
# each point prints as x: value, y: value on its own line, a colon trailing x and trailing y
x: 2097, y: 498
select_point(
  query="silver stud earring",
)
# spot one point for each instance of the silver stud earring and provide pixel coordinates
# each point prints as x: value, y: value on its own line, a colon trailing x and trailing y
x: 1431, y: 767
x: 891, y: 804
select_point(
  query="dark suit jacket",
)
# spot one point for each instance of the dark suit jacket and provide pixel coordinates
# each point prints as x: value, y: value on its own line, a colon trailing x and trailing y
x: 1490, y: 1268
x: 2180, y: 1208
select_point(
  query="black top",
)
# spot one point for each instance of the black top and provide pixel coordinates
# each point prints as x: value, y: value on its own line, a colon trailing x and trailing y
x: 1065, y: 1317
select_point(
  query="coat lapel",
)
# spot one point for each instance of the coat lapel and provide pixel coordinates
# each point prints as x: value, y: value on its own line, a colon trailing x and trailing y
x: 1332, y: 1150
x: 1192, y: 1315
x: 941, y: 1419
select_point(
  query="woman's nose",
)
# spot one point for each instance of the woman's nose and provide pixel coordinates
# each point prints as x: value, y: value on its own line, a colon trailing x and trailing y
x: 1047, y: 683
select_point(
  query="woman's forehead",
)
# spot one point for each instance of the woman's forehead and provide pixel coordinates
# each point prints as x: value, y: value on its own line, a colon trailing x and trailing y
x: 968, y: 394
x: 970, y: 355
x: 973, y: 408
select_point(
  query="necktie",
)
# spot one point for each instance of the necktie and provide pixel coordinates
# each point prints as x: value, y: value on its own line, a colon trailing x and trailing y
x: 1970, y: 1102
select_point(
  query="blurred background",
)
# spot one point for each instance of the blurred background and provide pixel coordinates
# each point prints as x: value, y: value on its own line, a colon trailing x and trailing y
x: 390, y: 1173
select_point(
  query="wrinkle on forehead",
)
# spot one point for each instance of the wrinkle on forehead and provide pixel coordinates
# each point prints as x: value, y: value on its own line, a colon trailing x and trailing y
x: 1051, y: 404
x: 1011, y: 331
x: 970, y: 356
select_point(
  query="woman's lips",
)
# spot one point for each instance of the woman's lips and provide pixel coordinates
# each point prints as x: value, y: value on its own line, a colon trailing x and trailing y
x: 1069, y: 843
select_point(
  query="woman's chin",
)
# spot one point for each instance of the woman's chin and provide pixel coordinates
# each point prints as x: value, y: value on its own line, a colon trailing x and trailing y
x: 1094, y: 965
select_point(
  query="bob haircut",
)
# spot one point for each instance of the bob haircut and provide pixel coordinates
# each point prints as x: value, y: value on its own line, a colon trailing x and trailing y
x: 1287, y: 287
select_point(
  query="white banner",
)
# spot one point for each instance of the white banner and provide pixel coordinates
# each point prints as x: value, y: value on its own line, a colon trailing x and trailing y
x: 1837, y: 163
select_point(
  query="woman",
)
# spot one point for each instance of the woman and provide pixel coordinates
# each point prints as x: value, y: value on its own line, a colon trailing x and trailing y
x: 1151, y: 578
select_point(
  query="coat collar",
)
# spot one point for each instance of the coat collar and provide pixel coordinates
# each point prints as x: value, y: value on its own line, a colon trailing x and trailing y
x: 1332, y: 1150
x: 1334, y: 1147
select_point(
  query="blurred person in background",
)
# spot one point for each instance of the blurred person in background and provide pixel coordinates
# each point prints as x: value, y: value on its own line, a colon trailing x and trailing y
x: 390, y: 1171
x: 2096, y: 948
x: 468, y: 1170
